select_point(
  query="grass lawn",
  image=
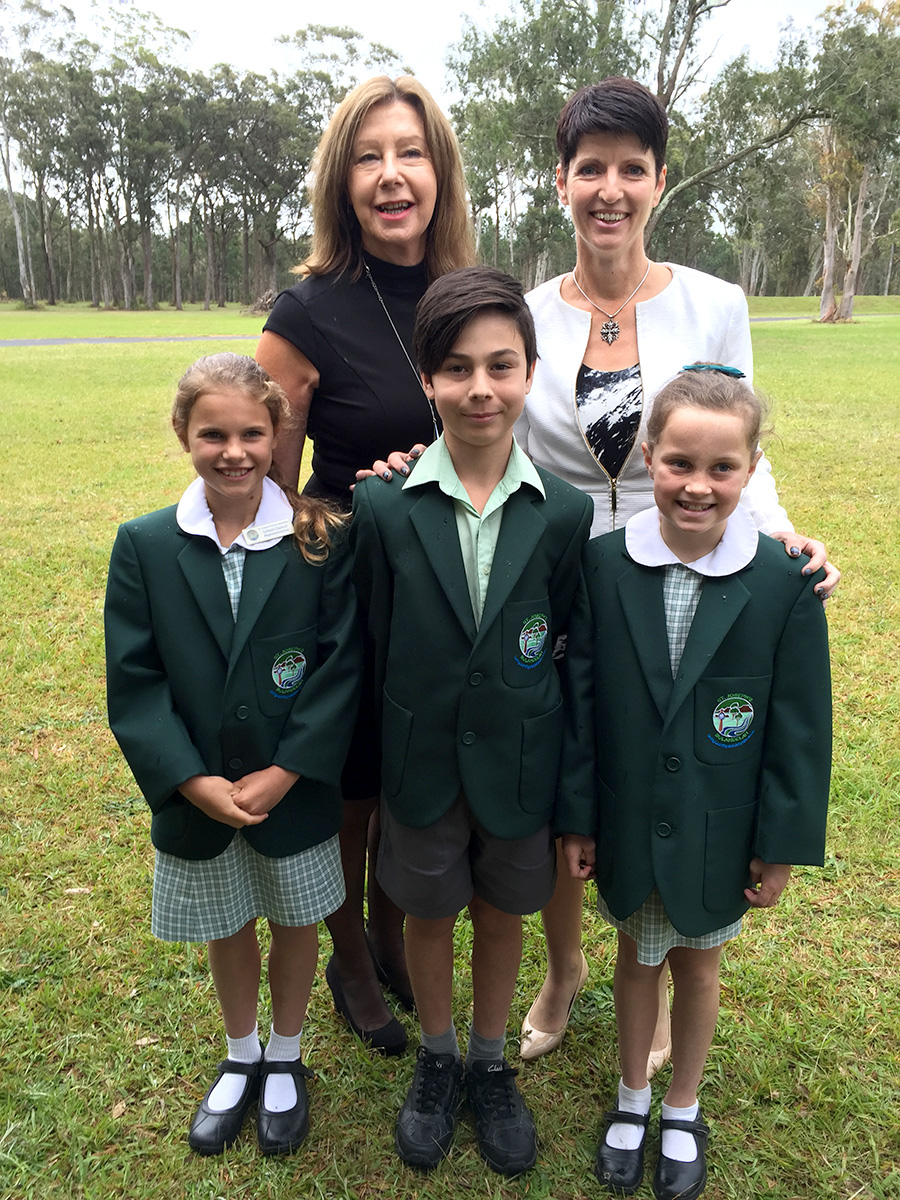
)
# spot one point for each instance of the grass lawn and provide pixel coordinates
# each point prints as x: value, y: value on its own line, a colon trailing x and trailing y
x: 108, y: 1038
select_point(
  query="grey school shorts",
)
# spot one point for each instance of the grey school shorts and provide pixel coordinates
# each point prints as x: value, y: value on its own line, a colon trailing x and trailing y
x: 433, y: 873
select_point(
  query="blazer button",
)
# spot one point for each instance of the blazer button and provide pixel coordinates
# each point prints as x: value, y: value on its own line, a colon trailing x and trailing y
x: 663, y: 829
x: 673, y: 764
x: 475, y: 678
x: 235, y: 763
x: 242, y: 713
x: 468, y: 739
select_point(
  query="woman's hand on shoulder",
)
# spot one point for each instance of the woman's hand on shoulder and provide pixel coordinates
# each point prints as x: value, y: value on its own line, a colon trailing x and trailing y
x: 799, y: 543
x: 257, y: 793
x: 397, y: 460
x: 769, y: 880
x: 214, y: 795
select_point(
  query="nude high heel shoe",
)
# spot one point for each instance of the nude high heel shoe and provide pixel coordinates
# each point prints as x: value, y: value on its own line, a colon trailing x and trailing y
x: 535, y: 1042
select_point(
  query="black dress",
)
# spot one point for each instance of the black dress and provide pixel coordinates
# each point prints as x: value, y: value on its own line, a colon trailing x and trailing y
x: 368, y: 401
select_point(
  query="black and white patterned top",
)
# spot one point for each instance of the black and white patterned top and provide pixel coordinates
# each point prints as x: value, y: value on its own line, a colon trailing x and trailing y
x: 609, y: 404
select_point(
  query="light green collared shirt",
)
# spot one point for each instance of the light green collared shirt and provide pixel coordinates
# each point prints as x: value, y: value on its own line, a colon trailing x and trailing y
x: 478, y: 532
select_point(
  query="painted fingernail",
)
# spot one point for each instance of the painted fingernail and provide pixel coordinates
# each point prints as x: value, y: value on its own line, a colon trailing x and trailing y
x: 404, y: 470
x: 807, y: 570
x: 385, y: 474
x: 414, y: 453
x: 794, y: 551
x: 820, y: 592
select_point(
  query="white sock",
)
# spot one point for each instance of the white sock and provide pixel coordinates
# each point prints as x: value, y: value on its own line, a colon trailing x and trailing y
x: 228, y: 1091
x: 280, y: 1093
x: 634, y: 1100
x: 675, y: 1142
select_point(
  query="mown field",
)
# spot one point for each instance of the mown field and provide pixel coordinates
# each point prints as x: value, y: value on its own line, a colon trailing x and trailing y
x: 108, y: 1037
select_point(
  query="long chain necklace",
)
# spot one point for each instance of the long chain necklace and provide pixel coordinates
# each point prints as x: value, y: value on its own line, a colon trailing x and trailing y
x: 412, y: 367
x: 610, y: 330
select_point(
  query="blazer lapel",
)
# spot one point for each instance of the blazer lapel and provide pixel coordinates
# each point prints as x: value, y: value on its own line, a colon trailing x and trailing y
x: 721, y: 601
x: 640, y: 593
x: 262, y: 570
x: 201, y: 566
x: 434, y: 521
x: 521, y: 528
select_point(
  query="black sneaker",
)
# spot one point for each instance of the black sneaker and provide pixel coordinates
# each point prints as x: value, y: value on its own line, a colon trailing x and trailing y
x: 427, y: 1119
x: 507, y: 1137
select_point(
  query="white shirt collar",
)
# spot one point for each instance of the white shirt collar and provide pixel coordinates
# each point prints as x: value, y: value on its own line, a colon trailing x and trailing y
x: 274, y: 517
x: 738, y: 546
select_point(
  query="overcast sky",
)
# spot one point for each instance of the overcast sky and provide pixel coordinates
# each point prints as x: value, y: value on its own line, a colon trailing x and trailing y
x: 243, y: 34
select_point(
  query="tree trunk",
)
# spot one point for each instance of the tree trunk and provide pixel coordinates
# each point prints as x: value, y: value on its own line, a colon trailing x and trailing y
x: 827, y: 310
x: 176, y: 262
x: 147, y: 255
x: 246, y: 298
x: 890, y: 268
x: 845, y: 312
x: 814, y: 272
x: 27, y: 292
x: 46, y: 242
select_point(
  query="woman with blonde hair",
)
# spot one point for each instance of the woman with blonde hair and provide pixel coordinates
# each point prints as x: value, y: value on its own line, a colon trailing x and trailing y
x: 389, y: 216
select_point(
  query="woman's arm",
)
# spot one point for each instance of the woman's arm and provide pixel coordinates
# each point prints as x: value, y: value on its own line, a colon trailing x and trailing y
x: 299, y: 378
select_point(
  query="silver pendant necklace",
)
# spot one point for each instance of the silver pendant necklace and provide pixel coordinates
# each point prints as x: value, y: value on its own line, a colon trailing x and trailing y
x: 611, y: 330
x: 412, y: 366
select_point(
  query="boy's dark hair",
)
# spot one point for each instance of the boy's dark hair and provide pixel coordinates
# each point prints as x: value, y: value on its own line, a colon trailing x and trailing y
x: 455, y: 299
x: 615, y: 105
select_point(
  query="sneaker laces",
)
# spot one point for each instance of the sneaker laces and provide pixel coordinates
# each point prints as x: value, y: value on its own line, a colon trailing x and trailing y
x: 434, y: 1080
x: 497, y: 1090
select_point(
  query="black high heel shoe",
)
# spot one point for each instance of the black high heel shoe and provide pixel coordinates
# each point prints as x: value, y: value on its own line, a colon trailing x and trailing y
x: 388, y: 1039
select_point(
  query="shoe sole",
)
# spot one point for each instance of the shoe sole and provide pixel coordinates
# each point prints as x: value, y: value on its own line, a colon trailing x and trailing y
x: 416, y: 1158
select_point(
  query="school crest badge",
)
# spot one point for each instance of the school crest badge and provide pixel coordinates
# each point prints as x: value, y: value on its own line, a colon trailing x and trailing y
x: 731, y: 720
x: 288, y: 670
x: 533, y: 641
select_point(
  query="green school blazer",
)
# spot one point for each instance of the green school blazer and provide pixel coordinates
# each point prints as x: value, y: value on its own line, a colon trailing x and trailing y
x: 191, y: 691
x: 684, y: 781
x: 465, y: 709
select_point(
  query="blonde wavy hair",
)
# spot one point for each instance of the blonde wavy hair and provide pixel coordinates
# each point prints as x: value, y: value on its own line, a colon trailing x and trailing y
x: 337, y: 239
x: 316, y: 523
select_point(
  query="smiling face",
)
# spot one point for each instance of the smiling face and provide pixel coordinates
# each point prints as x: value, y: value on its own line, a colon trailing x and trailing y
x: 611, y: 188
x: 699, y: 467
x: 230, y: 439
x: 392, y: 184
x: 480, y: 388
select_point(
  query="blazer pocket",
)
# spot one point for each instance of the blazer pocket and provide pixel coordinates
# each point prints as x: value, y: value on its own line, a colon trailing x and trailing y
x: 281, y: 666
x: 396, y: 730
x: 729, y: 848
x: 527, y: 648
x: 730, y: 718
x: 541, y: 753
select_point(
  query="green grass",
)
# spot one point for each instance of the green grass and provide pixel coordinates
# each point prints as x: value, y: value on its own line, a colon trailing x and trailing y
x: 808, y: 306
x: 80, y: 320
x: 108, y: 1037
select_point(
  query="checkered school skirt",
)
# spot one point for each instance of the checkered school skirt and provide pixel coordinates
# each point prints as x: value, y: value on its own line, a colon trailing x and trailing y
x: 198, y: 901
x: 655, y: 934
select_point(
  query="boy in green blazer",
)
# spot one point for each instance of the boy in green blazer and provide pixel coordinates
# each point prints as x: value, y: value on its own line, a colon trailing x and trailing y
x: 466, y: 576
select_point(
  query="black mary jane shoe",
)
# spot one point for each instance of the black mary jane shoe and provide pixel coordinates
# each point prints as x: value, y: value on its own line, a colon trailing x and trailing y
x: 621, y: 1171
x: 212, y: 1132
x: 387, y: 1039
x: 676, y: 1180
x: 388, y: 980
x: 283, y: 1132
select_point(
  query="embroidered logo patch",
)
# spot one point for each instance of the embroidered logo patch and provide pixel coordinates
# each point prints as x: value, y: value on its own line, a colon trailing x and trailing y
x: 731, y: 719
x: 288, y: 670
x: 533, y: 641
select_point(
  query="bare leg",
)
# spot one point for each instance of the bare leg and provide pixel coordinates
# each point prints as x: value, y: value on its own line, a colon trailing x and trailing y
x: 352, y: 960
x: 293, y: 957
x: 235, y: 966
x: 385, y: 918
x: 429, y: 955
x: 562, y: 931
x: 496, y: 955
x: 695, y: 1010
x: 636, y: 992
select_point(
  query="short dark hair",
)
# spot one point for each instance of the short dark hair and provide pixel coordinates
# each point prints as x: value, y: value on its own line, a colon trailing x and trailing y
x: 457, y: 298
x: 615, y: 105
